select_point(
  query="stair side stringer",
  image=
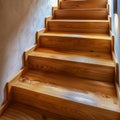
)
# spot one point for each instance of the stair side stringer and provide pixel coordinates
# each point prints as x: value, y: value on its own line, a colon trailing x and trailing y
x: 15, y: 78
x: 46, y: 22
x: 59, y: 2
x: 53, y: 11
x: 116, y: 78
x: 33, y: 48
x: 8, y: 90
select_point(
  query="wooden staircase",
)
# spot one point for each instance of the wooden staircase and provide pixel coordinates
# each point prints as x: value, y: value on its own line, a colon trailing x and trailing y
x: 72, y: 69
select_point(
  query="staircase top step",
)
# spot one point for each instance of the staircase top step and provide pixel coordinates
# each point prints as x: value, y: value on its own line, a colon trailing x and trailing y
x: 83, y: 3
x: 96, y: 58
x: 87, y: 9
x: 78, y: 35
x: 71, y: 20
x: 88, y: 92
x: 86, y: 1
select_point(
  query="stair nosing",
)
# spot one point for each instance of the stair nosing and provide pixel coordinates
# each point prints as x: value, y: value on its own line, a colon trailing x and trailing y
x: 84, y: 9
x: 75, y: 35
x: 50, y: 56
x: 72, y: 20
x: 30, y: 87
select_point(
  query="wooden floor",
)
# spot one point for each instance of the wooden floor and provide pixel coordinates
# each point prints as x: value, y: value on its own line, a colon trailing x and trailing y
x: 18, y: 111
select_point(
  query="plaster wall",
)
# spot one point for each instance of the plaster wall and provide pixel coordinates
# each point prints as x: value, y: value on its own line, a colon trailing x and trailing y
x: 54, y: 2
x: 19, y: 21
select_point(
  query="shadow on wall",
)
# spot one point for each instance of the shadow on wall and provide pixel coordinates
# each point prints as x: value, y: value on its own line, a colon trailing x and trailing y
x: 19, y: 21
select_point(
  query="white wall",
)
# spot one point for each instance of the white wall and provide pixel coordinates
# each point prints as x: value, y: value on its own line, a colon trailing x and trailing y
x: 19, y: 21
x: 117, y: 34
x: 116, y: 29
x: 54, y: 2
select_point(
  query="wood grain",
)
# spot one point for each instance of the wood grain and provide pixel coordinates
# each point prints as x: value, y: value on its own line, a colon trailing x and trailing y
x: 65, y: 102
x: 46, y: 22
x: 97, y: 14
x: 3, y: 107
x: 76, y: 4
x: 18, y: 111
x: 79, y: 26
x: 40, y: 32
x: 85, y: 65
x: 76, y: 42
x: 74, y: 75
x: 54, y: 9
x: 83, y: 85
x: 26, y: 53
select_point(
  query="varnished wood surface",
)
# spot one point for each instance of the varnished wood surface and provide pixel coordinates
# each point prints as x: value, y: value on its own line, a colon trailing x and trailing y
x: 82, y: 35
x: 97, y: 58
x: 68, y: 4
x: 83, y: 85
x: 90, y: 65
x: 78, y: 82
x: 68, y: 102
x: 76, y: 42
x: 79, y: 26
x: 97, y: 14
x: 3, y: 107
x: 18, y: 111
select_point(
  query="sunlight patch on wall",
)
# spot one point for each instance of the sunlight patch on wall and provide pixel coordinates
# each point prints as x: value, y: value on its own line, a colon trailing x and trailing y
x: 54, y: 2
x: 116, y: 23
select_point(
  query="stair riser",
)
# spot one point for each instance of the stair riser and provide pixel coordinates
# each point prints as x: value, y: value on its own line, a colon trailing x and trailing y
x: 77, y: 69
x: 81, y: 14
x: 75, y: 44
x: 61, y: 106
x: 83, y: 4
x: 78, y: 27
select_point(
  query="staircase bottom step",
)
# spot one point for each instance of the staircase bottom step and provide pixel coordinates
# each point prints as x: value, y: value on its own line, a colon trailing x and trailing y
x: 69, y: 102
x: 18, y: 111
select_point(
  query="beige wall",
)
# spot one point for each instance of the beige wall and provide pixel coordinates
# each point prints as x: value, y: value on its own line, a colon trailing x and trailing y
x: 19, y: 21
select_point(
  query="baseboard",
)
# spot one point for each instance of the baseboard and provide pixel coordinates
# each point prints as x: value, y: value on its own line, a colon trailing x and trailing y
x: 118, y: 92
x: 3, y: 107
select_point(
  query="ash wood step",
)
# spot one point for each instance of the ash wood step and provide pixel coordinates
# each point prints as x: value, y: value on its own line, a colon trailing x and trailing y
x: 76, y: 42
x: 79, y: 26
x: 68, y: 4
x: 96, y: 14
x: 90, y: 65
x: 68, y: 102
x: 18, y: 111
x: 69, y: 82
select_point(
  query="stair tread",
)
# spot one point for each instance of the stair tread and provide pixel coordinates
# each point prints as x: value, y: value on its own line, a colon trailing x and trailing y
x: 71, y: 20
x: 83, y: 9
x: 81, y: 14
x: 70, y: 82
x: 19, y: 111
x: 78, y: 35
x: 93, y: 93
x: 84, y: 57
x: 84, y: 0
x: 83, y: 3
x: 78, y: 26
